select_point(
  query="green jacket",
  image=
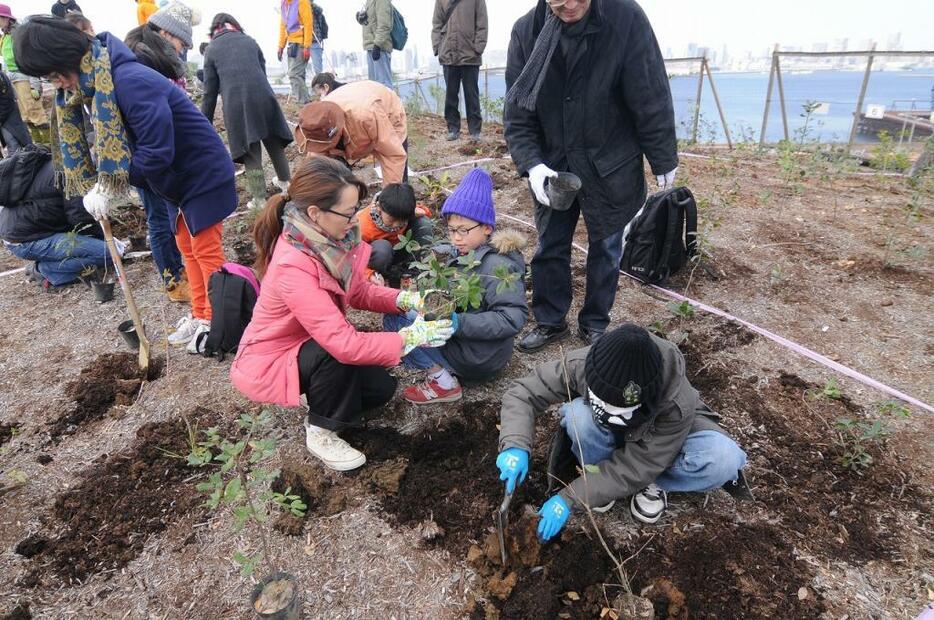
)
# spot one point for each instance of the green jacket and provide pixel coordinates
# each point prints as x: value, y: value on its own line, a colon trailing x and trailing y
x: 649, y: 449
x: 6, y: 50
x: 377, y: 31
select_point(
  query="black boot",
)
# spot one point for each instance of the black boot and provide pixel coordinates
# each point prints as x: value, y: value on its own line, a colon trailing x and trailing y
x: 590, y: 336
x: 542, y: 335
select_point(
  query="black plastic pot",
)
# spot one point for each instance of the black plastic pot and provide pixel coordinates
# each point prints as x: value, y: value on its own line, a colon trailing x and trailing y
x: 438, y: 305
x: 562, y: 190
x: 103, y: 291
x: 289, y: 608
x: 128, y: 330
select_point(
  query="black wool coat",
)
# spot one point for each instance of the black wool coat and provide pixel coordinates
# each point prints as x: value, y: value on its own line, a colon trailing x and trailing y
x: 600, y: 110
x: 31, y: 206
x: 235, y: 69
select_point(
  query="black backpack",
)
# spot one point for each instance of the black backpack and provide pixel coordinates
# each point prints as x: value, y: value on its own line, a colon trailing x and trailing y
x: 662, y: 237
x: 233, y: 291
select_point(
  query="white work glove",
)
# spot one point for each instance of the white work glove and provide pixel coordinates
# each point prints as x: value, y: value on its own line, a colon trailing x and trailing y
x: 666, y: 181
x: 422, y: 333
x: 97, y: 203
x: 537, y: 176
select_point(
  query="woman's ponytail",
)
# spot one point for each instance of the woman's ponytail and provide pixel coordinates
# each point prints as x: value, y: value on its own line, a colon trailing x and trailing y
x: 266, y: 232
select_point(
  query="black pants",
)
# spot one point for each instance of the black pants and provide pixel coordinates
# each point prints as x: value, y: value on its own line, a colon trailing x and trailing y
x: 253, y: 158
x: 469, y: 75
x: 338, y: 394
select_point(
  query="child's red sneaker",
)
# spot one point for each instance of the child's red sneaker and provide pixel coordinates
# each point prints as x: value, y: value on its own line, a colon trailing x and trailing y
x: 430, y: 391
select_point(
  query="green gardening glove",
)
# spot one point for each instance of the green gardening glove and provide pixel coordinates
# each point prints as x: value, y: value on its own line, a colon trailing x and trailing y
x: 410, y: 300
x: 424, y: 333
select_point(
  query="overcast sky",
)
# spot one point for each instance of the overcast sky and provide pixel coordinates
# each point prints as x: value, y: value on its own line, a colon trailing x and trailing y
x: 739, y: 24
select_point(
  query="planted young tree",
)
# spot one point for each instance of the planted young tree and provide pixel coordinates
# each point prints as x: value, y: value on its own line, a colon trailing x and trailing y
x: 242, y: 482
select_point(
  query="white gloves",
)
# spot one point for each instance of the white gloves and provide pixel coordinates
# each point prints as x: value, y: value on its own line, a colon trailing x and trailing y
x: 97, y: 203
x: 537, y: 176
x: 424, y: 333
x: 666, y: 181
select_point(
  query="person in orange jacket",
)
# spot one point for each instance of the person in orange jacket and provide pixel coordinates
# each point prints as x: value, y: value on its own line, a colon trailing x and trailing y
x: 394, y: 213
x: 145, y: 8
x: 355, y: 121
x: 297, y: 29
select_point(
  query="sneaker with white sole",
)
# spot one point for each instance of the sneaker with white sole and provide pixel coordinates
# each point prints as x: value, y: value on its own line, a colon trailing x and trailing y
x: 648, y: 504
x: 184, y: 331
x: 605, y: 508
x: 333, y: 451
x: 200, y: 337
x: 282, y: 185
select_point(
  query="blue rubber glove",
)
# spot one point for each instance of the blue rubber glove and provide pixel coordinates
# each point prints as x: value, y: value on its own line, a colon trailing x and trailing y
x: 554, y: 514
x: 455, y: 322
x: 513, y: 463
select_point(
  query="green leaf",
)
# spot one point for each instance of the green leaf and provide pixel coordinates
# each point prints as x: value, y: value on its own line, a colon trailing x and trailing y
x: 232, y: 492
x: 593, y: 469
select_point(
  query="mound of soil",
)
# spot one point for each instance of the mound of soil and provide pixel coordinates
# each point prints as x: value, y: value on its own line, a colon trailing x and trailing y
x: 850, y: 515
x: 540, y: 581
x: 722, y: 569
x: 111, y: 379
x: 118, y: 503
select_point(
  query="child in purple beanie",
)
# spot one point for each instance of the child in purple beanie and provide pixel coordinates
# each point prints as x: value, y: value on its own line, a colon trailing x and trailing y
x: 482, y: 344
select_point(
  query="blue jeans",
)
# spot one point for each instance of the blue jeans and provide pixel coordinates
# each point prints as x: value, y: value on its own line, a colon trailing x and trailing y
x: 161, y: 240
x: 317, y: 58
x: 708, y: 459
x: 420, y: 358
x: 551, y: 271
x: 380, y: 70
x: 61, y: 258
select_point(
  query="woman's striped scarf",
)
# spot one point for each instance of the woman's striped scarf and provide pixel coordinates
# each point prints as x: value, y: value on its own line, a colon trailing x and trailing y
x: 95, y: 89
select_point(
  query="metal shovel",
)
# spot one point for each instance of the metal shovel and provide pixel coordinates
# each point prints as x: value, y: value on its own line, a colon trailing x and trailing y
x: 501, y: 519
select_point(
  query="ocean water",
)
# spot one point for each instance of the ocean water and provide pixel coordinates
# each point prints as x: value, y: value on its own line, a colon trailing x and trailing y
x: 743, y: 99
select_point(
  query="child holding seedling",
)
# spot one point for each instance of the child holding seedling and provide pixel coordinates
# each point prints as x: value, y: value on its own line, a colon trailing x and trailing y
x: 484, y: 271
x: 394, y: 213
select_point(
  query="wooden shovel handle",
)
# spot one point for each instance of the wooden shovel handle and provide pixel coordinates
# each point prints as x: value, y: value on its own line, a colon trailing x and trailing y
x: 127, y: 294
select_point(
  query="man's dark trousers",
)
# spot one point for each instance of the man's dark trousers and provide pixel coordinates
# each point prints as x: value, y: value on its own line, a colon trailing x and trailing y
x: 551, y: 271
x: 469, y: 76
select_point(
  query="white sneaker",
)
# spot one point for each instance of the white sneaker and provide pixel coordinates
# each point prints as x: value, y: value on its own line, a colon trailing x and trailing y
x: 184, y: 330
x: 200, y: 337
x: 282, y: 185
x: 604, y: 508
x: 333, y: 451
x: 648, y: 504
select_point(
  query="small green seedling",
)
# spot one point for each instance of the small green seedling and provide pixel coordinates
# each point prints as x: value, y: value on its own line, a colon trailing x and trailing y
x: 241, y: 482
x: 682, y: 310
x: 832, y: 390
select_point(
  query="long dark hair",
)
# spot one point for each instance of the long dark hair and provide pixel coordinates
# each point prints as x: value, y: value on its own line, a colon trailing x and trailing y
x: 46, y: 44
x: 155, y: 52
x: 317, y: 181
x: 326, y: 79
x: 224, y: 18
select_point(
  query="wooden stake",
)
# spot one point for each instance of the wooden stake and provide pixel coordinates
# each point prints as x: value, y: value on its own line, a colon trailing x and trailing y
x: 716, y: 98
x: 861, y: 99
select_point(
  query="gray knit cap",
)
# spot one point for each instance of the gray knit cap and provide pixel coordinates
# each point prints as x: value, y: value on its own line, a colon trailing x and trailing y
x: 177, y: 19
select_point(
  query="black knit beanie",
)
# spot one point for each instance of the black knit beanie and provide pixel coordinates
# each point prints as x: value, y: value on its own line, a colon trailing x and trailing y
x: 624, y: 367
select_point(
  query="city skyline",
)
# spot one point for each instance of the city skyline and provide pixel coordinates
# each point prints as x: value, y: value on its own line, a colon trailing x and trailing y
x: 742, y: 27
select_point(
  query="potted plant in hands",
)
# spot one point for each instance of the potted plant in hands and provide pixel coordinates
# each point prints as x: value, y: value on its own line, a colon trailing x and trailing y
x: 242, y: 481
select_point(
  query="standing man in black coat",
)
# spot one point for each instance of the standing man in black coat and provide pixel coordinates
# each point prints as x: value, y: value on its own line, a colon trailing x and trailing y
x: 64, y: 7
x: 458, y: 38
x: 588, y: 93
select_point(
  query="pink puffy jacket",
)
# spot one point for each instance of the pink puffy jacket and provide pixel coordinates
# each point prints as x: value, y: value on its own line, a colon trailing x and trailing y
x: 301, y: 300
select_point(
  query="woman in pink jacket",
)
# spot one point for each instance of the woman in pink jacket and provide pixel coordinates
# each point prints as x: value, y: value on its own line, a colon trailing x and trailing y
x: 313, y: 268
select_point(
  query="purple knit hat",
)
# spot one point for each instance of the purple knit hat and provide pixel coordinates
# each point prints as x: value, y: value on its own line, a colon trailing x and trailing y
x: 473, y: 198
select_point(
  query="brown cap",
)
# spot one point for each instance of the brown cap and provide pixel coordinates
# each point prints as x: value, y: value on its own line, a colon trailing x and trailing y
x: 320, y: 127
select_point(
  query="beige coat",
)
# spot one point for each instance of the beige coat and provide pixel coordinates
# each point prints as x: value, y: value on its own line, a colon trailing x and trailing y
x: 462, y: 40
x: 376, y: 125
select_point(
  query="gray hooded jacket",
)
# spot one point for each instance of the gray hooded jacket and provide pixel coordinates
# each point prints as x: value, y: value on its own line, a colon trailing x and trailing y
x: 649, y: 449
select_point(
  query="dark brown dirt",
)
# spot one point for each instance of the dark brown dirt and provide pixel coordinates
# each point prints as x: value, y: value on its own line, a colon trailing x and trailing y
x: 725, y: 570
x: 539, y: 577
x: 312, y: 487
x: 20, y: 611
x: 796, y: 466
x: 120, y: 501
x: 127, y: 222
x: 111, y: 379
x: 6, y: 432
x: 31, y: 546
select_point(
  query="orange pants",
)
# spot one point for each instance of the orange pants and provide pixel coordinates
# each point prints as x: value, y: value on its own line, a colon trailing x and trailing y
x: 203, y: 255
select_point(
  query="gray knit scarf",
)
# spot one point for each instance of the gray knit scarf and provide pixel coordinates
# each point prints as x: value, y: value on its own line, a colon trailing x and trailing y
x: 525, y: 89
